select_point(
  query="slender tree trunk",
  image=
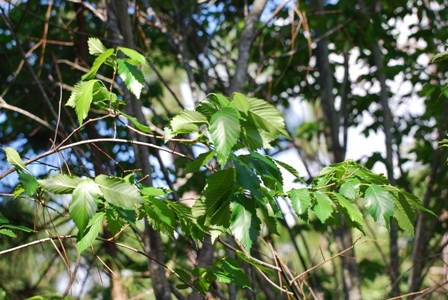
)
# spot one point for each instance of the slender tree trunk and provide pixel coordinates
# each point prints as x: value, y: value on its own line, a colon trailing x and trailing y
x: 343, y: 235
x: 119, y: 29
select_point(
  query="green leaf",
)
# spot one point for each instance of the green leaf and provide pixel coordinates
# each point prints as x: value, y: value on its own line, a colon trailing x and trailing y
x: 198, y: 162
x: 133, y: 54
x: 247, y: 178
x: 136, y: 123
x: 269, y: 217
x: 118, y: 217
x: 266, y: 169
x: 440, y: 57
x: 161, y: 217
x: 265, y: 116
x: 204, y: 279
x: 132, y: 77
x: 102, y: 94
x: 187, y: 122
x: 379, y: 204
x: 84, y: 203
x: 253, y: 262
x: 224, y: 130
x: 8, y: 233
x: 288, y: 168
x: 245, y: 224
x: 231, y: 271
x: 60, y: 184
x: 13, y: 157
x: 18, y: 190
x: 18, y: 227
x: 3, y: 219
x: 218, y: 100
x: 118, y: 192
x: 350, y: 211
x: 97, y: 64
x: 29, y: 183
x: 207, y: 109
x: 81, y: 98
x: 350, y: 189
x: 300, y: 201
x: 95, y: 46
x: 93, y: 228
x: 241, y: 103
x: 151, y: 191
x: 323, y: 207
x: 253, y: 138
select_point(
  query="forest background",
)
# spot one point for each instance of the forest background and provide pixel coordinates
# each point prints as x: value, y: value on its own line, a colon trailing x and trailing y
x: 339, y: 71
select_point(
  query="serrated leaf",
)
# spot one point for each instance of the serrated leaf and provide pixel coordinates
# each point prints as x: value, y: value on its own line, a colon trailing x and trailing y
x: 187, y: 122
x: 198, y: 162
x: 350, y: 189
x: 349, y: 210
x: 29, y: 183
x: 81, y: 98
x: 253, y: 262
x: 204, y: 279
x: 103, y: 94
x: 252, y: 137
x: 13, y: 157
x: 322, y: 207
x: 440, y: 57
x: 247, y: 178
x: 207, y: 109
x: 133, y: 54
x: 218, y: 100
x: 379, y: 204
x: 18, y: 227
x: 231, y: 271
x: 95, y: 46
x: 8, y: 232
x: 97, y: 64
x: 224, y: 130
x: 18, y: 190
x: 269, y: 218
x: 245, y: 224
x: 151, y: 191
x: 288, y: 168
x: 118, y: 192
x: 241, y: 103
x: 160, y: 217
x: 266, y: 169
x: 300, y: 200
x: 132, y: 77
x: 183, y: 274
x: 3, y: 219
x: 265, y: 116
x: 136, y: 123
x: 60, y: 184
x: 93, y: 228
x: 84, y: 203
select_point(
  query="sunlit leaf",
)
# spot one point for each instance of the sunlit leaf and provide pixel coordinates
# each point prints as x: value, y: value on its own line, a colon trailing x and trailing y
x: 13, y: 157
x: 198, y: 162
x: 93, y: 228
x: 8, y: 232
x: 300, y: 200
x: 60, y: 184
x: 379, y: 204
x: 231, y: 271
x: 241, y: 103
x: 136, y: 123
x: 132, y: 77
x: 323, y: 207
x: 224, y: 130
x: 95, y: 46
x: 349, y: 210
x: 84, y: 203
x: 29, y: 183
x: 118, y: 192
x: 97, y: 64
x: 187, y: 122
x: 133, y: 54
x: 218, y: 100
x: 245, y: 224
x: 350, y: 189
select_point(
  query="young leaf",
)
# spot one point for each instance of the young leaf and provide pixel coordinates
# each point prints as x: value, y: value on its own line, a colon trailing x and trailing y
x: 231, y: 271
x: 18, y: 227
x: 95, y: 46
x: 118, y: 192
x: 133, y: 54
x: 13, y: 157
x: 245, y: 224
x: 200, y: 161
x: 136, y: 123
x: 60, y: 184
x: 187, y: 122
x: 97, y: 64
x: 379, y: 204
x: 350, y: 189
x: 151, y: 191
x: 323, y: 207
x: 224, y: 130
x: 81, y: 98
x: 93, y: 228
x: 132, y: 77
x: 84, y: 203
x: 300, y: 200
x: 8, y: 232
x: 29, y: 183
